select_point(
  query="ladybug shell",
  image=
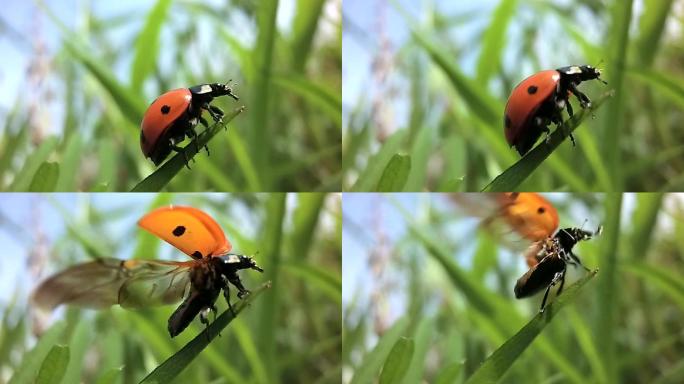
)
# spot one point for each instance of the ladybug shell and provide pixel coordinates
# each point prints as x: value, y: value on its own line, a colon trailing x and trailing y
x: 160, y: 115
x: 529, y: 214
x: 525, y: 100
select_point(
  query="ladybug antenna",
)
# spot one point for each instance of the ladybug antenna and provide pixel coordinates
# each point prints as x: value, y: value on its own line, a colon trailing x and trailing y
x: 599, y: 71
x: 584, y: 222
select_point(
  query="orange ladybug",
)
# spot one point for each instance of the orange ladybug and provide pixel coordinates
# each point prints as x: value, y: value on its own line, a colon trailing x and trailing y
x: 138, y: 283
x: 535, y: 219
x: 174, y: 115
x: 539, y: 101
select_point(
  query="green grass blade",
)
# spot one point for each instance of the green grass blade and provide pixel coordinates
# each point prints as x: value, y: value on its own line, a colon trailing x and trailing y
x: 304, y: 30
x: 70, y: 164
x: 11, y: 141
x: 369, y: 178
x: 668, y: 86
x: 474, y: 292
x: 163, y: 175
x: 45, y: 178
x: 423, y: 342
x: 147, y: 45
x: 659, y: 277
x: 132, y: 106
x: 260, y: 105
x: 174, y: 365
x: 328, y: 283
x: 609, y: 290
x: 397, y: 361
x: 587, y: 342
x: 23, y: 179
x: 420, y: 156
x: 54, y: 366
x: 396, y: 174
x: 246, y: 340
x: 110, y: 376
x: 216, y: 174
x: 329, y: 101
x: 305, y: 223
x: 511, y: 178
x: 272, y: 245
x: 501, y: 360
x: 371, y: 363
x: 493, y: 42
x: 651, y: 27
x: 31, y: 361
x: 478, y: 101
x: 244, y: 161
x: 621, y: 15
x: 450, y: 373
x: 643, y: 223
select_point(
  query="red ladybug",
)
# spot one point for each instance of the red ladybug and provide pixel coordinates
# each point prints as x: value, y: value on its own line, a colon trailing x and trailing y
x: 539, y: 100
x: 174, y: 115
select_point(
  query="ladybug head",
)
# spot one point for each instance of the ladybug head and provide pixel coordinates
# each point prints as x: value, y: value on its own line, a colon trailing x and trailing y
x: 239, y: 262
x: 591, y: 73
x: 568, y: 237
x: 219, y: 89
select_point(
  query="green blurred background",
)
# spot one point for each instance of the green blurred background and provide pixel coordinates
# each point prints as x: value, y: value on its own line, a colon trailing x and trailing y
x: 418, y: 267
x: 79, y: 76
x: 289, y: 334
x: 426, y: 83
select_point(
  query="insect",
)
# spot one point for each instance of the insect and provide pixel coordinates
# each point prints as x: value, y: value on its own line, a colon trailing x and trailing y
x: 540, y: 99
x: 174, y: 115
x: 552, y: 260
x: 533, y: 218
x: 139, y: 283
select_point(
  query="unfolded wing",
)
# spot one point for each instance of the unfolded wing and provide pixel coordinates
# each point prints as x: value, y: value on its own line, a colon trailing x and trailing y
x: 105, y: 282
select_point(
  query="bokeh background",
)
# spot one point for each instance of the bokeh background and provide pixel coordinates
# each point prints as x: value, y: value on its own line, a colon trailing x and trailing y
x: 77, y: 77
x: 426, y: 83
x: 289, y: 334
x: 420, y: 267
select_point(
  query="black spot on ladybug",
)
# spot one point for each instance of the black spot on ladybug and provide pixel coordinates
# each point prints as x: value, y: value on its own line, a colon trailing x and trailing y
x: 532, y: 89
x: 165, y: 109
x: 507, y: 122
x: 541, y: 210
x: 179, y: 231
x: 142, y: 137
x: 514, y: 195
x: 197, y: 255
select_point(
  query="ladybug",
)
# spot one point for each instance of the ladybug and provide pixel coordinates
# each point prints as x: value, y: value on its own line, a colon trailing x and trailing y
x: 174, y: 115
x: 539, y: 100
x: 552, y: 256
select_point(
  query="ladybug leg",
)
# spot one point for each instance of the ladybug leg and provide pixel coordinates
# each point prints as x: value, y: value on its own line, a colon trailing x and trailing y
x: 215, y: 112
x: 204, y: 317
x: 558, y: 117
x: 172, y: 145
x: 560, y: 276
x: 204, y: 122
x: 574, y: 260
x: 583, y: 99
x: 226, y: 295
x: 560, y: 287
x: 568, y: 106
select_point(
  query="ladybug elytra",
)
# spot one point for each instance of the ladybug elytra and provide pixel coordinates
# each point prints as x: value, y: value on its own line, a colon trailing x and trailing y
x: 540, y: 99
